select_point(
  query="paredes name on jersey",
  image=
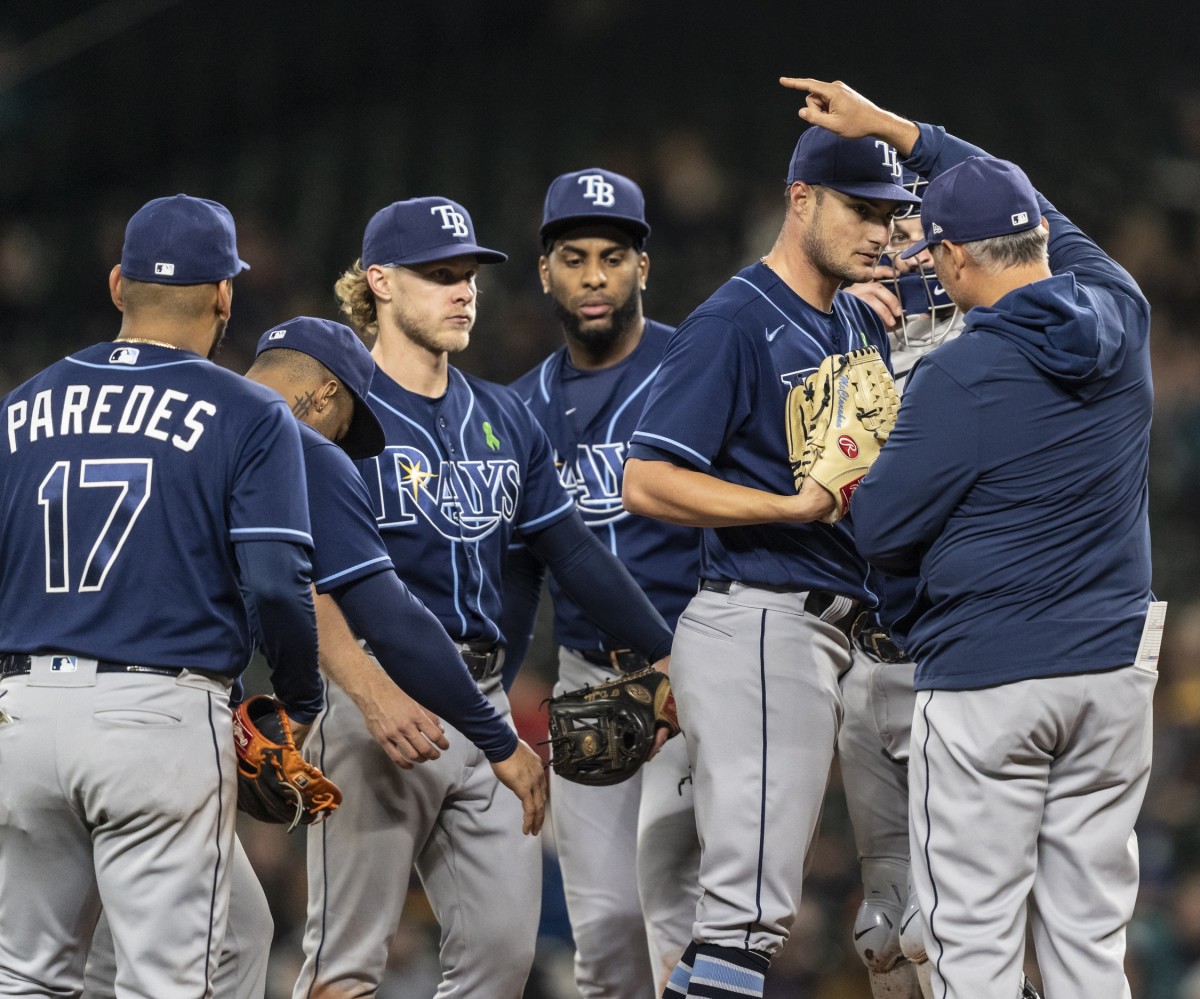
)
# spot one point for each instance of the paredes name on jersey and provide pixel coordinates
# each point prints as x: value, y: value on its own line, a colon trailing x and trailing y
x: 162, y: 414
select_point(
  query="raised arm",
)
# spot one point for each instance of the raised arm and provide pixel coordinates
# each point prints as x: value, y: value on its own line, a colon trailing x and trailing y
x: 846, y: 112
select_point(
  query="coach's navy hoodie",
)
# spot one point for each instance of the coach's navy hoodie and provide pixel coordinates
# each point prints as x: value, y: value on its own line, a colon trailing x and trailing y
x: 1014, y: 485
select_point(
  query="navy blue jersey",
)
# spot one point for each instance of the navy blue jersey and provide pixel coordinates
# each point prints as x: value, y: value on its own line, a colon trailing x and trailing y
x: 127, y: 475
x: 459, y: 477
x: 590, y: 455
x: 718, y: 405
x: 347, y: 545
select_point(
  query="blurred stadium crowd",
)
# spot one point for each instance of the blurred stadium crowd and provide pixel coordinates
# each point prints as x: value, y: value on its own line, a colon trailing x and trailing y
x: 302, y: 175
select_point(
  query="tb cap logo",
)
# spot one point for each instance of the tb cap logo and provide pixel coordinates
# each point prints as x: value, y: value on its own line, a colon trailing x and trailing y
x: 597, y: 190
x: 891, y: 158
x: 452, y: 220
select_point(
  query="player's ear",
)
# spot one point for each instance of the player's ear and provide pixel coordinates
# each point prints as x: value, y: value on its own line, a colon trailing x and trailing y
x: 327, y: 391
x: 544, y: 273
x: 800, y: 197
x: 377, y: 281
x: 224, y: 298
x: 643, y: 269
x: 115, y: 289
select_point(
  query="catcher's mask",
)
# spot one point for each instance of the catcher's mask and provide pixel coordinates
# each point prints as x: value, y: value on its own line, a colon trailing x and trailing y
x: 928, y: 314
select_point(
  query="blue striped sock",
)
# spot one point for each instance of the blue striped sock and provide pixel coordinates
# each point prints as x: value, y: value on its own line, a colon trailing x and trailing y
x: 727, y: 973
x: 677, y: 985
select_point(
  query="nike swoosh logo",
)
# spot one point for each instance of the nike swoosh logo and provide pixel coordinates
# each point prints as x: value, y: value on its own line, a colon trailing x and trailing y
x: 939, y: 290
x: 773, y: 333
x: 862, y: 933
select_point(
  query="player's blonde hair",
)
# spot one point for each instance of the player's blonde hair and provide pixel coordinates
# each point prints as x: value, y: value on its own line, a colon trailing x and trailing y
x: 356, y: 302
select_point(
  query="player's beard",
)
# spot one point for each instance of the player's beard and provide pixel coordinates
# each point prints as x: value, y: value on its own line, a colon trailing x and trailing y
x: 596, y: 338
x: 821, y: 254
x: 819, y: 249
x: 429, y: 334
x: 218, y: 339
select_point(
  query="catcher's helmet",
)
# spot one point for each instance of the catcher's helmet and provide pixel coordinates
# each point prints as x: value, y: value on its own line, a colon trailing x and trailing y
x: 928, y: 313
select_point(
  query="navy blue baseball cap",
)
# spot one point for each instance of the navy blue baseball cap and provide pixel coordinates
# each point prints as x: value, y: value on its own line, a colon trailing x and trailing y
x: 342, y: 352
x: 598, y: 196
x: 979, y: 198
x: 421, y: 230
x: 862, y: 168
x: 181, y: 240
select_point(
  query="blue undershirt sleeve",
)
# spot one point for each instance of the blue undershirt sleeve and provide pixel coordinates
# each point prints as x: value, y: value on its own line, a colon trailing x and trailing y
x: 275, y: 579
x: 415, y: 651
x: 596, y: 580
x: 523, y: 578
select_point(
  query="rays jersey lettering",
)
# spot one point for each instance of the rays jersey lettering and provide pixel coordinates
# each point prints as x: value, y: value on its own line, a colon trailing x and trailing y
x: 593, y: 481
x: 462, y: 500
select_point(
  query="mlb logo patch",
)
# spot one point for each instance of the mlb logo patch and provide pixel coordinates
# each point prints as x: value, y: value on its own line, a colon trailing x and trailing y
x: 123, y: 355
x: 63, y: 664
x: 276, y: 334
x: 1020, y: 218
x: 164, y: 270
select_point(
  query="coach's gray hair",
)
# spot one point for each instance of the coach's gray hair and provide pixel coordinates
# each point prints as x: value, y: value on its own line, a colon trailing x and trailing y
x: 356, y: 302
x: 1017, y: 250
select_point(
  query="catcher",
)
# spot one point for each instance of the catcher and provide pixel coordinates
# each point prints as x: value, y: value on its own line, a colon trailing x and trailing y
x: 603, y: 734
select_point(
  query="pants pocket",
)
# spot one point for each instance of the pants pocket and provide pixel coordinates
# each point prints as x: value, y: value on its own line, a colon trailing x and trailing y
x: 705, y: 628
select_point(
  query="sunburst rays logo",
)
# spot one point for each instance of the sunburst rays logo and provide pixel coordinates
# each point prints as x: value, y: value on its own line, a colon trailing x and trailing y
x: 414, y: 475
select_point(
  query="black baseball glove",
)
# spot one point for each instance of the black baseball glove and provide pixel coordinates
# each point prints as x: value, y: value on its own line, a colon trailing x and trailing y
x: 601, y: 735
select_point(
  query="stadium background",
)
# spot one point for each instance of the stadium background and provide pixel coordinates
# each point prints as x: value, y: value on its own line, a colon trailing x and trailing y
x: 305, y: 118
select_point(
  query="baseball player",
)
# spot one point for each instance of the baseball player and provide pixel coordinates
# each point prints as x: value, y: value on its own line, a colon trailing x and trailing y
x: 1015, y: 484
x: 759, y: 649
x: 145, y: 489
x: 465, y: 471
x: 587, y: 396
x: 322, y: 369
